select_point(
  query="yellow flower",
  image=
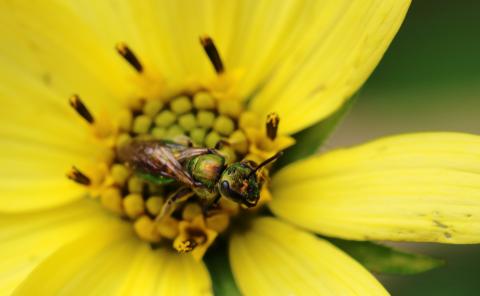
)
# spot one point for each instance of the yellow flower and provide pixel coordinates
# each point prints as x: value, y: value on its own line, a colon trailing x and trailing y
x: 299, y: 59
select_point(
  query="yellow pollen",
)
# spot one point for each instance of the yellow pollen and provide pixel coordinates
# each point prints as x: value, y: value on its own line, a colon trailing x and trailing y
x: 111, y: 199
x: 146, y: 229
x: 154, y: 205
x: 194, y: 237
x: 119, y: 174
x: 218, y: 222
x: 124, y: 120
x: 168, y: 227
x: 185, y: 246
x: 135, y: 184
x: 232, y: 108
x: 191, y: 211
x: 203, y: 100
x: 249, y: 120
x: 133, y: 205
x: 122, y: 139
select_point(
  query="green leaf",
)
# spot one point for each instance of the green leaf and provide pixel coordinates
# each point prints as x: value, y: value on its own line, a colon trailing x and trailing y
x: 382, y: 259
x: 219, y: 266
x: 310, y: 139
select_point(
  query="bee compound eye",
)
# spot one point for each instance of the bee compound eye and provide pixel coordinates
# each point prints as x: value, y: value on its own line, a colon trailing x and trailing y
x: 229, y: 193
x: 225, y: 187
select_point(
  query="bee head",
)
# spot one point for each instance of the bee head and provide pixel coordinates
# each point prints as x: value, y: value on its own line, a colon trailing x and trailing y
x: 239, y: 182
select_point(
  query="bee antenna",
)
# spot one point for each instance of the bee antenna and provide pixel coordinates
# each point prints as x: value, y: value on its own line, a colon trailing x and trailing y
x: 267, y: 161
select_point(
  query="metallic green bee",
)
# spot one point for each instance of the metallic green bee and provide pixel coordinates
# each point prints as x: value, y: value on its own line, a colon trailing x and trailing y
x: 201, y: 171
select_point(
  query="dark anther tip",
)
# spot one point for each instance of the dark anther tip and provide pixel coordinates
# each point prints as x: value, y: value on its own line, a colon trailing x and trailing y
x: 129, y: 56
x: 80, y: 108
x: 273, y: 120
x: 77, y: 176
x: 212, y: 53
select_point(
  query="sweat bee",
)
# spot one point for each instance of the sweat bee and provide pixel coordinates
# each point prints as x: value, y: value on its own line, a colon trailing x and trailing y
x: 200, y: 171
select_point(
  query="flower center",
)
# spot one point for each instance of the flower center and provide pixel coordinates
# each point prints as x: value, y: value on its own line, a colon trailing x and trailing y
x: 184, y: 166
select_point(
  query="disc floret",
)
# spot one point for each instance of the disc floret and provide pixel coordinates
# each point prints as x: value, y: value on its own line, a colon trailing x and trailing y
x: 195, y: 117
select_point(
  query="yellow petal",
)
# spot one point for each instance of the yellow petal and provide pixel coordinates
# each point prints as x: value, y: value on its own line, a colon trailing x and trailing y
x: 91, y: 264
x: 331, y: 49
x: 33, y: 174
x: 316, y: 53
x: 41, y: 136
x: 273, y: 258
x: 52, y: 46
x: 163, y: 272
x: 420, y: 187
x: 324, y: 49
x: 111, y: 261
x: 36, y: 152
x: 27, y: 239
x: 163, y: 34
x: 166, y: 34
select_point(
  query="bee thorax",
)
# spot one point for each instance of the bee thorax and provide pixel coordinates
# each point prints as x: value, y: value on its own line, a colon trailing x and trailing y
x: 206, y: 169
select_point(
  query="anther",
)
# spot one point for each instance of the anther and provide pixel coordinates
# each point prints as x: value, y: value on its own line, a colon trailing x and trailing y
x: 81, y: 109
x: 212, y: 53
x: 79, y: 177
x: 129, y: 56
x: 272, y: 125
x: 186, y: 246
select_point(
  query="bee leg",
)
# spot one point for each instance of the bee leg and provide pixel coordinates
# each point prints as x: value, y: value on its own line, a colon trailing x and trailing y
x: 177, y: 197
x: 214, y: 151
x: 209, y: 206
x: 205, y: 209
x: 216, y: 201
x: 222, y: 143
x: 198, y: 184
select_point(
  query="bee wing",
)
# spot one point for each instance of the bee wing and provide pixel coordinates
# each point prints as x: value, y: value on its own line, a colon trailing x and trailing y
x: 161, y: 157
x: 191, y: 152
x: 166, y: 158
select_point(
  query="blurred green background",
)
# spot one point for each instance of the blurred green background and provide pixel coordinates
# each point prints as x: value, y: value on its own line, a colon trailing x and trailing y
x: 428, y: 80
